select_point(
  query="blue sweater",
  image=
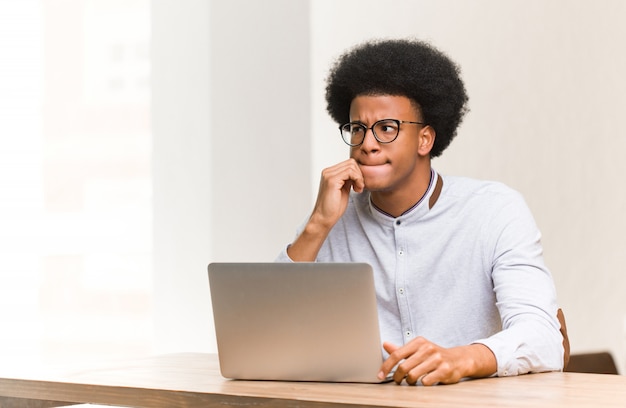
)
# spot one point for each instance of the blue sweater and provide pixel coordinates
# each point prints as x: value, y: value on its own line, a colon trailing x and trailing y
x: 468, y: 270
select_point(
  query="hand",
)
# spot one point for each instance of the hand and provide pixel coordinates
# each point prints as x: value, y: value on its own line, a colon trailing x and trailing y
x: 423, y: 361
x: 332, y: 201
x: 334, y: 191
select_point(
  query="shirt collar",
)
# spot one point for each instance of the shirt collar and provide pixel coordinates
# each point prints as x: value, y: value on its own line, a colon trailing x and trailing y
x: 422, y: 206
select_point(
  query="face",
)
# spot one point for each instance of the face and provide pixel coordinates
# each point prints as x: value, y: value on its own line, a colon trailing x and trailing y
x: 402, y: 164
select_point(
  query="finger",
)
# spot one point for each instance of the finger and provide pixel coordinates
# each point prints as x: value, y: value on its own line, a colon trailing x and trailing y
x: 429, y: 379
x: 354, y: 176
x: 390, y: 362
x: 408, y: 370
x: 421, y: 373
x: 412, y: 380
x: 340, y: 174
x: 413, y: 361
x: 429, y: 369
x: 390, y: 347
x: 401, y: 360
x: 350, y: 170
x: 359, y: 181
x: 422, y: 379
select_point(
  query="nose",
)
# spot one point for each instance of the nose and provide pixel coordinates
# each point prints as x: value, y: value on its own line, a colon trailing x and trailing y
x: 369, y: 141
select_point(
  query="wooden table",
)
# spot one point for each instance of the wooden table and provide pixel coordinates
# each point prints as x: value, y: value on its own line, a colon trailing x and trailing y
x: 193, y: 380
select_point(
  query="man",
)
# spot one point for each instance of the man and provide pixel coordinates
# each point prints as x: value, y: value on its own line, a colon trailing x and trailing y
x: 461, y: 285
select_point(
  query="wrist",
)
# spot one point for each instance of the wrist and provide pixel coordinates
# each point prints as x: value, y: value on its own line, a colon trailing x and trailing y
x: 482, y: 362
x: 318, y: 226
x: 306, y: 247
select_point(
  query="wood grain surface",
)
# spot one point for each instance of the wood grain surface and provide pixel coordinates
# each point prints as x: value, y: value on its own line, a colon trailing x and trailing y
x: 193, y: 380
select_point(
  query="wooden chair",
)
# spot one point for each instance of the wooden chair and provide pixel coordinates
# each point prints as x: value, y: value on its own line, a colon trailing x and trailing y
x: 566, y: 356
x: 596, y: 363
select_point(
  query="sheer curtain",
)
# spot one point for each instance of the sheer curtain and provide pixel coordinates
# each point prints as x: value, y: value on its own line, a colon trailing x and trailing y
x: 75, y: 178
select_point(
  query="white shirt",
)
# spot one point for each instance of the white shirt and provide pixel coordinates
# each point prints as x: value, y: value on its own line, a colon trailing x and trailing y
x: 468, y: 270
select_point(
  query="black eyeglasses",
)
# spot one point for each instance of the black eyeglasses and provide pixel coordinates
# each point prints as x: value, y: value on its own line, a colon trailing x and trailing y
x: 385, y: 131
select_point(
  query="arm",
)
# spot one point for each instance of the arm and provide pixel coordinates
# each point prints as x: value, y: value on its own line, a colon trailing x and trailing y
x: 332, y: 201
x: 530, y: 340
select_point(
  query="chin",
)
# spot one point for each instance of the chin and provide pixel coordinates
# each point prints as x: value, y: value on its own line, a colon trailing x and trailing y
x: 376, y: 185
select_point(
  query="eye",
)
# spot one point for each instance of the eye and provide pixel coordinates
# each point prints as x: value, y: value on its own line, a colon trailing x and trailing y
x: 386, y: 127
x: 356, y: 129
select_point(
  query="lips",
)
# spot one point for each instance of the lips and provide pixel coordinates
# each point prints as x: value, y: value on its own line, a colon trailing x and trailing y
x: 373, y: 164
x: 375, y: 169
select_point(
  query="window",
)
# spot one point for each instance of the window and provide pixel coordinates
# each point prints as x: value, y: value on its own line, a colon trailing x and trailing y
x: 75, y: 177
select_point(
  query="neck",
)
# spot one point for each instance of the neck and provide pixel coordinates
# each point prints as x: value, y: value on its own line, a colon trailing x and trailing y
x: 397, y: 202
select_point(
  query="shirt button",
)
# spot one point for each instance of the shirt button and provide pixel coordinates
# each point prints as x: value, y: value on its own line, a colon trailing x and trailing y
x: 398, y: 222
x: 408, y: 333
x: 401, y: 291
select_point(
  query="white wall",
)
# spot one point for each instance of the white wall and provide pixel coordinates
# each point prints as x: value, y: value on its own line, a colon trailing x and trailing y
x: 231, y: 148
x: 546, y: 96
x: 260, y: 128
x: 181, y: 113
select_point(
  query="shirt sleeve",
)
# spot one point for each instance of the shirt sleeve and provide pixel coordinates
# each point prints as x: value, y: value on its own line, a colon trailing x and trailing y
x: 530, y: 340
x: 283, y: 256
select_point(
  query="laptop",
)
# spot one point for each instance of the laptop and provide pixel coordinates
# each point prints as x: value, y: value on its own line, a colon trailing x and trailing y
x: 296, y: 321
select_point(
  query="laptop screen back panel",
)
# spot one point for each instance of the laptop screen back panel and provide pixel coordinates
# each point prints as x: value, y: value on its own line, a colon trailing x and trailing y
x: 298, y: 321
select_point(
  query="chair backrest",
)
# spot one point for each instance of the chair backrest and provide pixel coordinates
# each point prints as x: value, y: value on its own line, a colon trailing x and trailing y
x: 597, y: 363
x: 566, y: 350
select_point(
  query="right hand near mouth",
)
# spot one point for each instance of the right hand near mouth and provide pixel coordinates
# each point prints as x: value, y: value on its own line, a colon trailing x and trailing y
x: 332, y: 200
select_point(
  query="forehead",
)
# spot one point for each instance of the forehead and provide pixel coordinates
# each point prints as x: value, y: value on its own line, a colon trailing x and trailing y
x: 376, y: 107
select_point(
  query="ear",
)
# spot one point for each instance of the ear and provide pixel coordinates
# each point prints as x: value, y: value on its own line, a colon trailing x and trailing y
x: 426, y: 140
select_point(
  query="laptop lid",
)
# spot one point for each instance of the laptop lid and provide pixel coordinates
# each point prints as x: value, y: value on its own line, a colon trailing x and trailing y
x: 296, y: 321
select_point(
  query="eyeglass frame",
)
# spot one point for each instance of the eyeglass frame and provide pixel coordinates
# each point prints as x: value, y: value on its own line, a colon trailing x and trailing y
x: 363, y: 126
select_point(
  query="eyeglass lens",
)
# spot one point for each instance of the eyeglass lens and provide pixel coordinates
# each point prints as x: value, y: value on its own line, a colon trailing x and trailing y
x: 385, y: 131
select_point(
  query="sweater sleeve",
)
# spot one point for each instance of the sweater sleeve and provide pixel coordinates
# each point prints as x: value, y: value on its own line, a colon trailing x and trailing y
x: 530, y: 340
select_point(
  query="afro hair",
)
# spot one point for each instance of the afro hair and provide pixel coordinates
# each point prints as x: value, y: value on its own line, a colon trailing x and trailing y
x: 409, y: 68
